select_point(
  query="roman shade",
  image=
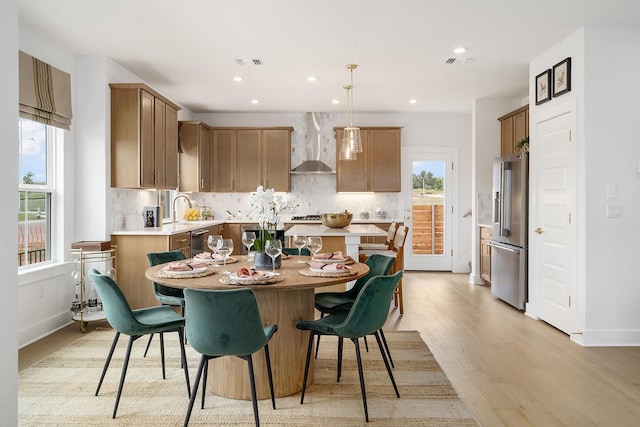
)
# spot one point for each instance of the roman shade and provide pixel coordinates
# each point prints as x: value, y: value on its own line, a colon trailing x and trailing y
x: 45, y: 92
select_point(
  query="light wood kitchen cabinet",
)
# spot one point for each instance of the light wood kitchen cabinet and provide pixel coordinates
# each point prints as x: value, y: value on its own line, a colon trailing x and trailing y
x: 485, y: 253
x: 514, y: 127
x: 221, y: 175
x: 144, y: 138
x: 258, y: 156
x: 377, y: 168
x: 194, y: 157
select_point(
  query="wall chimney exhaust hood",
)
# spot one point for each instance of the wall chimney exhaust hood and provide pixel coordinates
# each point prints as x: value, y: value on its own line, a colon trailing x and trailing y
x: 312, y: 167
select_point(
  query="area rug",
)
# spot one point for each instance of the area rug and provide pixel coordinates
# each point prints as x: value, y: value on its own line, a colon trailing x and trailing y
x: 59, y: 390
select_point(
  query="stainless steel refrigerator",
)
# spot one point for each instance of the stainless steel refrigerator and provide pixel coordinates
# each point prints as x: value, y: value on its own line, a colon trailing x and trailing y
x: 510, y: 228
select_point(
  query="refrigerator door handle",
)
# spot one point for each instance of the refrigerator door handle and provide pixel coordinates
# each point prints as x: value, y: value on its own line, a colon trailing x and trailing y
x: 493, y: 245
x: 507, y: 194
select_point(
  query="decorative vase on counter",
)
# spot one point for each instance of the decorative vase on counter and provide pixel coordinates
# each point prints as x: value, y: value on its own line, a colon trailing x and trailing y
x: 262, y: 261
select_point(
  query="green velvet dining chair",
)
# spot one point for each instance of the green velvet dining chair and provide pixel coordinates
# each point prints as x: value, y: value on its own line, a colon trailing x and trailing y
x: 135, y: 324
x: 328, y: 302
x: 167, y: 296
x: 226, y: 323
x: 365, y: 317
x: 294, y: 251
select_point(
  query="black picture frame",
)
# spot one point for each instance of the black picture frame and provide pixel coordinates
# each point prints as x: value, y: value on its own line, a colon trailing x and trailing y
x: 543, y: 87
x: 562, y: 77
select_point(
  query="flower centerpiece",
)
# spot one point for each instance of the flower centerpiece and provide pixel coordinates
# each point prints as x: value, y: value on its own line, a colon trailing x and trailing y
x: 267, y: 207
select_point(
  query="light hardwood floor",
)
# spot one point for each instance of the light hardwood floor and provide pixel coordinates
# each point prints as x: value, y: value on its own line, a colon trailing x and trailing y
x: 509, y: 370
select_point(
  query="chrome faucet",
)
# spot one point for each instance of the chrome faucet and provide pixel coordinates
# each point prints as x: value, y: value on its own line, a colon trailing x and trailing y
x: 174, y: 205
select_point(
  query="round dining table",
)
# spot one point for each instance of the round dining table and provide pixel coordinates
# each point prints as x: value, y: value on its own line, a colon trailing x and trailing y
x: 282, y: 303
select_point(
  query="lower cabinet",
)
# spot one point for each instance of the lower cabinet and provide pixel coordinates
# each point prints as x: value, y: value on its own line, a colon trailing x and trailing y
x: 485, y: 253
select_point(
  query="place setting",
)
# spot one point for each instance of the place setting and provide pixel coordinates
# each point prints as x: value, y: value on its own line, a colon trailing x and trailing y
x: 329, y: 264
x: 185, y: 270
x: 253, y: 276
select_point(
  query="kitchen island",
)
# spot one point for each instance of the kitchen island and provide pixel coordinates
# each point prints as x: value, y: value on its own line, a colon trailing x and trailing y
x: 345, y: 239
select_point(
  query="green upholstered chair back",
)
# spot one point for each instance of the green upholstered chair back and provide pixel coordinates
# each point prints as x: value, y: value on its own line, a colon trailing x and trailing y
x: 371, y: 308
x: 294, y: 251
x: 224, y: 322
x: 379, y: 265
x: 115, y: 304
x: 156, y: 258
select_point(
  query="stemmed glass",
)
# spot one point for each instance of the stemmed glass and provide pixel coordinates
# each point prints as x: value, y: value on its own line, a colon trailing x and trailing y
x: 212, y: 242
x: 248, y: 237
x: 225, y: 247
x: 300, y: 241
x: 315, y: 244
x: 273, y: 248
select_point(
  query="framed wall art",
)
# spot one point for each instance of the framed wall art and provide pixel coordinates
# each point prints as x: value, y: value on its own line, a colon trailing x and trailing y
x: 543, y: 87
x: 562, y: 77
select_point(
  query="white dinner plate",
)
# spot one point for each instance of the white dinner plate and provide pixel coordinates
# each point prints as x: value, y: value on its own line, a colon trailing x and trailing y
x: 194, y: 271
x: 269, y: 275
x: 329, y: 261
x: 320, y: 270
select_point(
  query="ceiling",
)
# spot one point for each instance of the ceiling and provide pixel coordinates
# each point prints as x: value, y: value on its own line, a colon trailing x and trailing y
x: 188, y: 49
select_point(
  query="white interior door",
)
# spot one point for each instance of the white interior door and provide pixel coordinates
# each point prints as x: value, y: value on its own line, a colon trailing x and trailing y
x: 554, y: 233
x: 428, y: 189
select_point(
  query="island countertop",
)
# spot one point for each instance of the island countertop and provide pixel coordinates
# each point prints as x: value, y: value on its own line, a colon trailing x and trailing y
x: 353, y: 230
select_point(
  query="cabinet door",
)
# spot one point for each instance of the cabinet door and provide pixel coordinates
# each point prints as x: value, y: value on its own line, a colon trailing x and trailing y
x: 147, y: 143
x: 248, y: 165
x: 506, y: 136
x: 158, y: 140
x: 221, y: 170
x: 384, y: 159
x: 203, y: 158
x: 194, y: 157
x: 485, y: 260
x: 351, y: 175
x: 276, y: 152
x: 171, y: 147
x: 520, y: 127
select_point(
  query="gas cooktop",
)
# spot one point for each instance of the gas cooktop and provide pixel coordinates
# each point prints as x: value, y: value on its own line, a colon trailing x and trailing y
x: 306, y: 218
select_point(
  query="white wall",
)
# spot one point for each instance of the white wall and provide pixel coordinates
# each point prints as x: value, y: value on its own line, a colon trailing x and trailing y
x: 605, y: 65
x: 8, y: 210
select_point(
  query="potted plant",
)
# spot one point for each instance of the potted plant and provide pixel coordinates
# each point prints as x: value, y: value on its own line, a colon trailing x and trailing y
x: 267, y: 208
x: 522, y: 146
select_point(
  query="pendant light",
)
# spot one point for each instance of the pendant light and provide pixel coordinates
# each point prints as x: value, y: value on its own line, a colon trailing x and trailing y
x: 351, y: 139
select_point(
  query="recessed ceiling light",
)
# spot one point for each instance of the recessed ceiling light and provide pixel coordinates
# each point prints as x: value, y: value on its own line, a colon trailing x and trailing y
x: 312, y: 78
x: 237, y: 79
x: 413, y: 101
x: 459, y: 50
x: 254, y: 101
x: 335, y: 101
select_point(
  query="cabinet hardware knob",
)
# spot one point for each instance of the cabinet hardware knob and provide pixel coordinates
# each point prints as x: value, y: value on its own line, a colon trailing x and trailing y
x: 538, y: 230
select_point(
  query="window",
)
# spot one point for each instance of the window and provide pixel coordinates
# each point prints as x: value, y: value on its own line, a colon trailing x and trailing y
x: 36, y: 189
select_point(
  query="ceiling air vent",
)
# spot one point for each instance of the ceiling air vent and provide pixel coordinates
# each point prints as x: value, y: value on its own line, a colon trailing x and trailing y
x: 242, y: 61
x: 460, y: 60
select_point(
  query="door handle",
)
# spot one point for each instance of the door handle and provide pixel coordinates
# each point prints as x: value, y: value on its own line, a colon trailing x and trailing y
x: 538, y: 230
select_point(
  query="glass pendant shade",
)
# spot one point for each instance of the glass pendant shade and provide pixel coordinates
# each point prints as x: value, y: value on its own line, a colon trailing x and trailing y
x: 353, y: 138
x: 345, y: 151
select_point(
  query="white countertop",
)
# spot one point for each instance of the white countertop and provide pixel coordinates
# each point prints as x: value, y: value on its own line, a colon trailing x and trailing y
x: 168, y: 229
x: 350, y: 230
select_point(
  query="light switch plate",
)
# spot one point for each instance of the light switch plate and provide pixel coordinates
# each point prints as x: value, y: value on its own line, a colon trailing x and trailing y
x: 611, y: 191
x: 614, y: 211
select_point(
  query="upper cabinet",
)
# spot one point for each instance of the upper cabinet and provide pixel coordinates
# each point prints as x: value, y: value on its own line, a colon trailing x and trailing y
x: 144, y: 138
x: 195, y: 147
x: 514, y: 127
x: 245, y: 158
x: 377, y: 168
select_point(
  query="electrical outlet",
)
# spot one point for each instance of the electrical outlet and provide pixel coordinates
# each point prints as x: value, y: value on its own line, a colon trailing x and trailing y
x: 614, y: 211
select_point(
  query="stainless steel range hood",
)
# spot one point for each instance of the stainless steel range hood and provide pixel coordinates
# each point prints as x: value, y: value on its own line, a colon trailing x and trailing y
x: 312, y: 167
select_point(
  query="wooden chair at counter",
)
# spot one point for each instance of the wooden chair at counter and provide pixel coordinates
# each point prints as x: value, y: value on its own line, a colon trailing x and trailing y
x: 396, y: 252
x: 387, y: 245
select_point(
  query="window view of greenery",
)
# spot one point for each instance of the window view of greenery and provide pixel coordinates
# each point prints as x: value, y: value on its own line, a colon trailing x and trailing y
x: 34, y: 193
x: 427, y: 211
x: 428, y: 183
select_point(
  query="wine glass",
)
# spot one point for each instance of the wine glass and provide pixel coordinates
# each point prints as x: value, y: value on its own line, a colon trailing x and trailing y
x: 212, y: 242
x: 225, y: 248
x: 300, y: 241
x: 273, y: 248
x: 248, y: 237
x: 315, y: 244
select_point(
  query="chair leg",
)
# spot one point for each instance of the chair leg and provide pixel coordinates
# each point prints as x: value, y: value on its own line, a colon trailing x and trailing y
x: 306, y: 367
x: 386, y: 347
x: 361, y: 374
x: 270, y: 375
x: 148, y: 344
x: 108, y: 361
x: 162, y: 354
x: 398, y: 297
x: 252, y: 381
x: 340, y: 348
x: 194, y: 392
x: 204, y: 384
x: 183, y: 360
x: 366, y: 345
x: 124, y: 373
x: 318, y: 339
x: 386, y: 364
